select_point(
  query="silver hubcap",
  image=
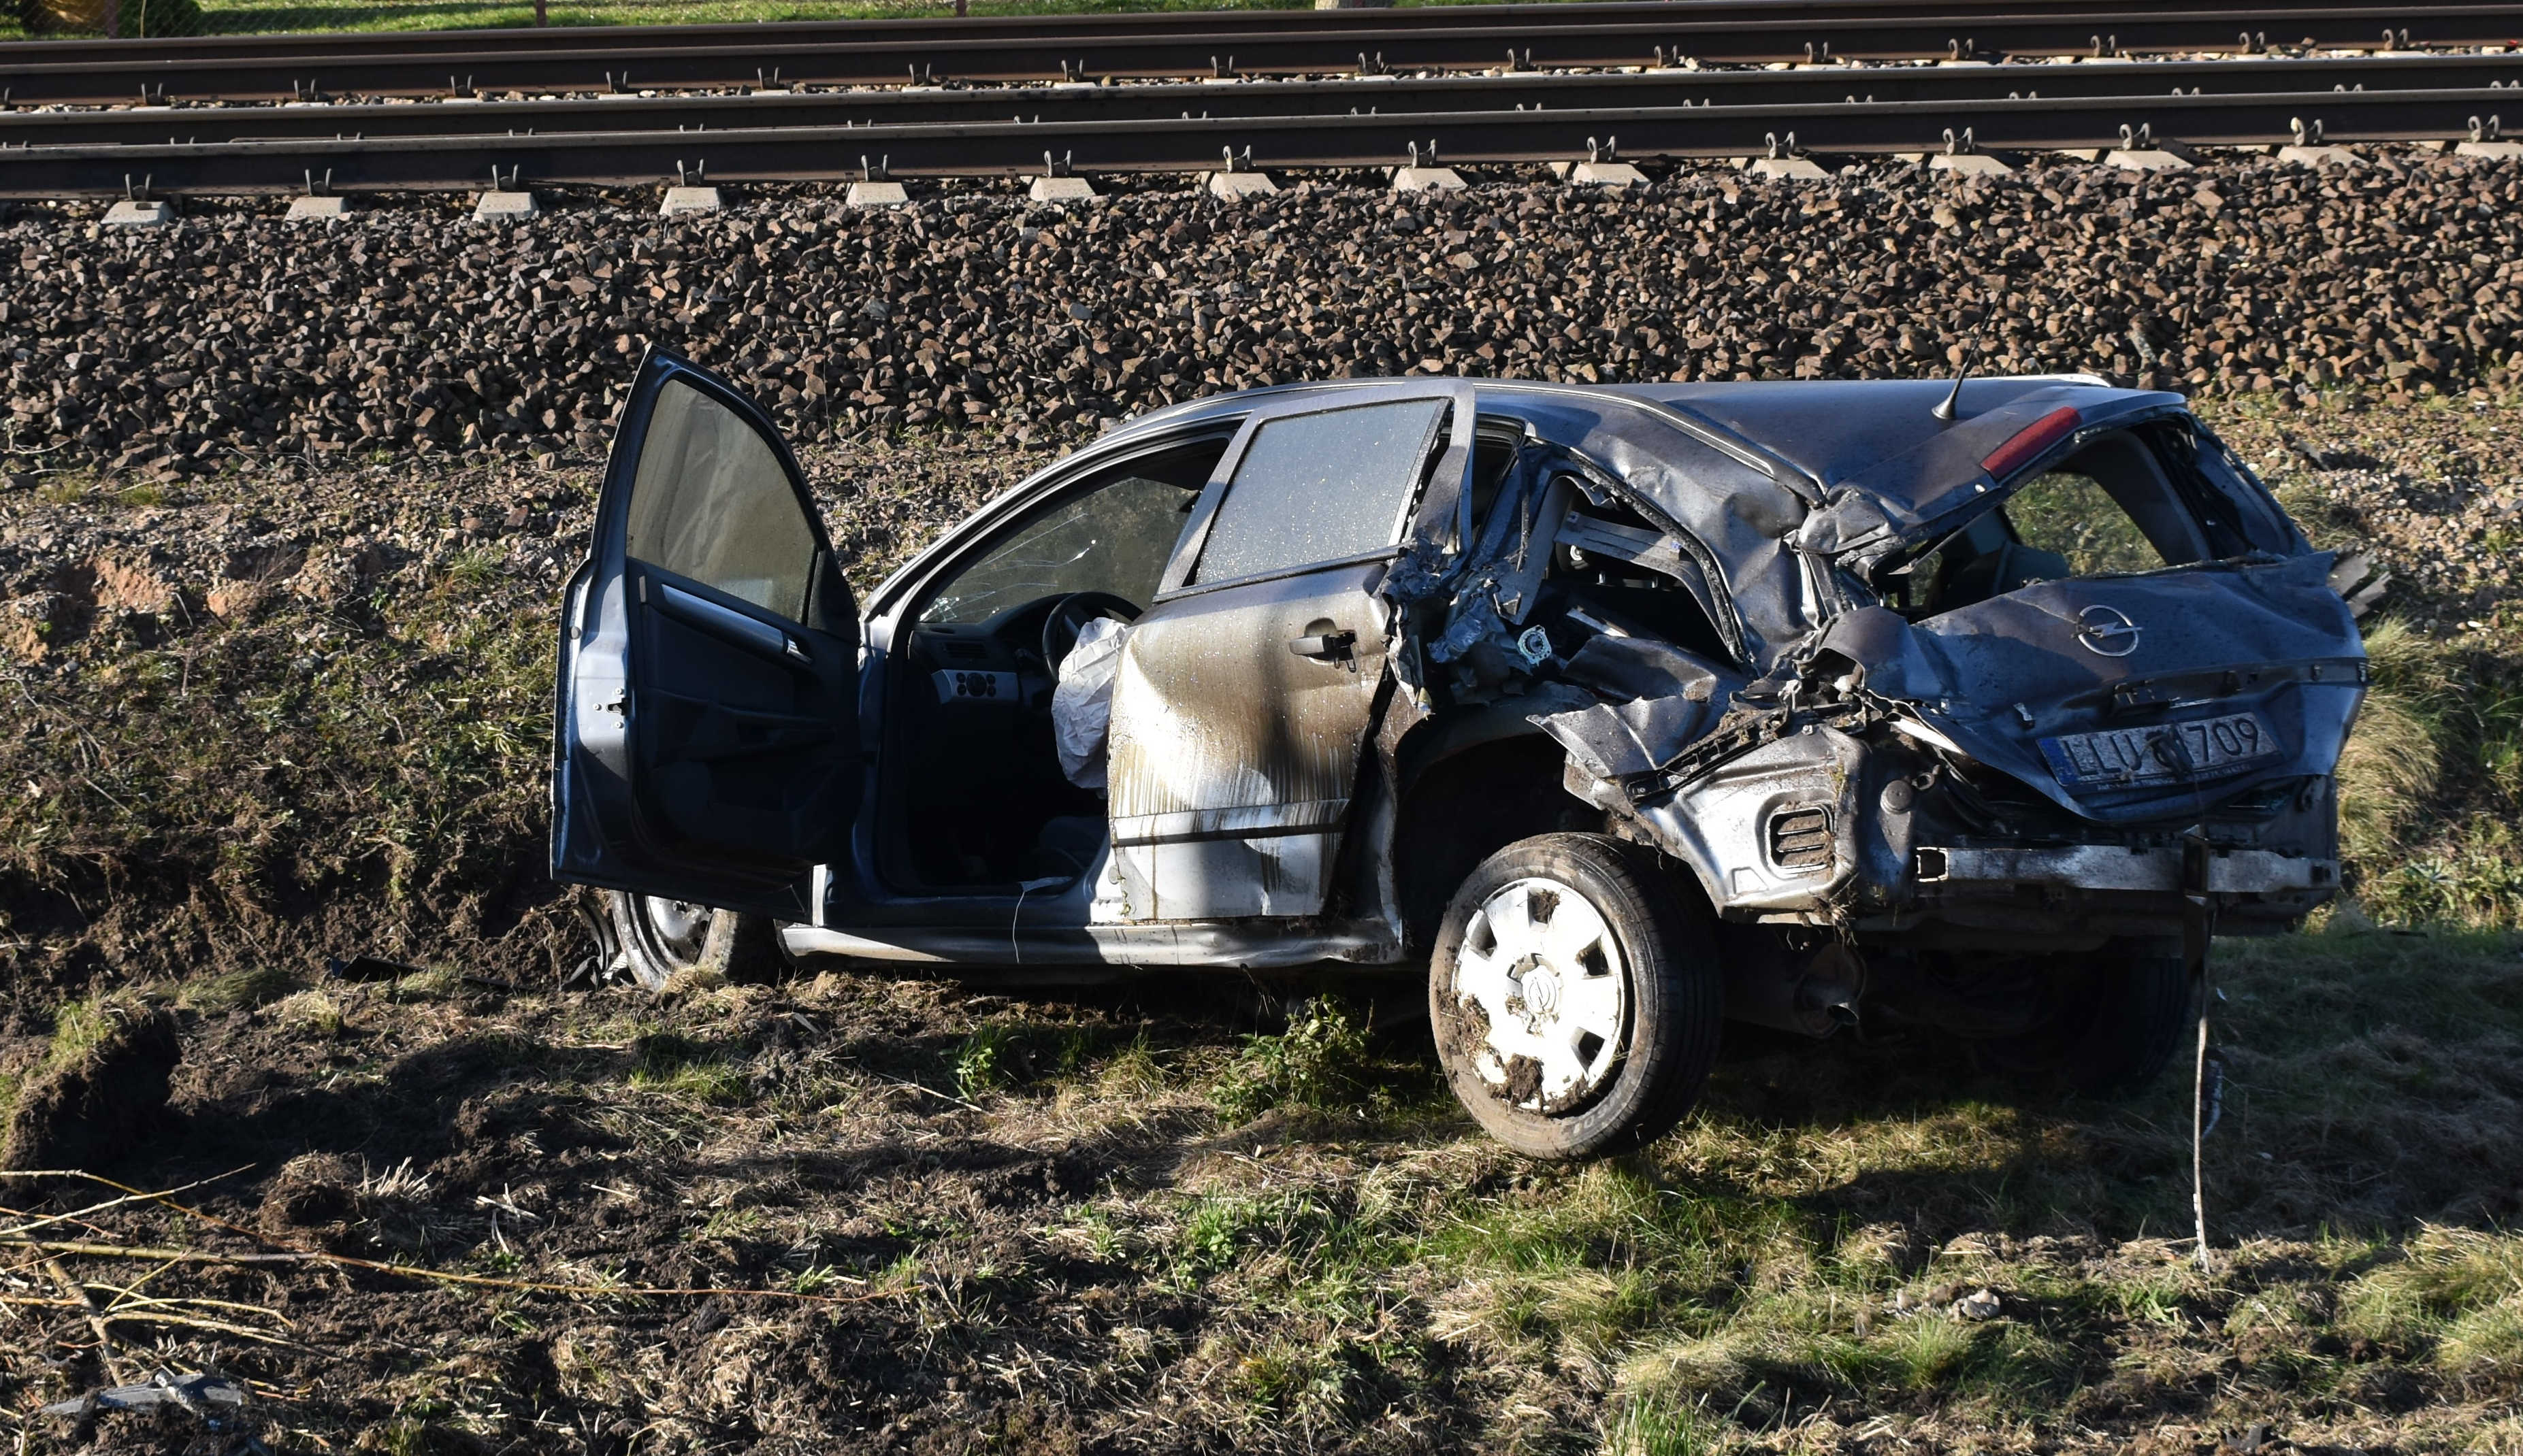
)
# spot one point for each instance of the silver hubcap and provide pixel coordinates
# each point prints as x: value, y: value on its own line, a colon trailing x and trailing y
x: 1552, y: 996
x: 676, y: 928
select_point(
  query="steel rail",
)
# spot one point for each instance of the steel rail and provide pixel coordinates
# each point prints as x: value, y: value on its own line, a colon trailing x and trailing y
x: 1063, y: 107
x: 431, y: 67
x: 827, y: 153
x: 317, y: 46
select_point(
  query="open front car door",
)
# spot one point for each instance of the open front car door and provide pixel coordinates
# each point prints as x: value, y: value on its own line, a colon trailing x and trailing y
x: 705, y: 747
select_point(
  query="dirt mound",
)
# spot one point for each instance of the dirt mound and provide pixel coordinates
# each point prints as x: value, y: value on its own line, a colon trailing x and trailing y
x: 103, y: 1083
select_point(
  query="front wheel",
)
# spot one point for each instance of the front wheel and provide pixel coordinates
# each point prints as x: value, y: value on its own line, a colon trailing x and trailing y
x: 656, y: 939
x: 1575, y: 1006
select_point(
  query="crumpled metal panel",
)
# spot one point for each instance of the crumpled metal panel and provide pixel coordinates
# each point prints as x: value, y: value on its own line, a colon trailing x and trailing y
x: 1997, y: 675
x: 1719, y: 825
x: 1742, y: 514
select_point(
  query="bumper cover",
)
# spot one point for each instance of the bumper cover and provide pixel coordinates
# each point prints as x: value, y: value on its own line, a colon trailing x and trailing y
x: 2100, y: 867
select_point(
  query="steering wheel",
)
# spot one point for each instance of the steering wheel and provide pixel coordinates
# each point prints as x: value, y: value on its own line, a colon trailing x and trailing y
x: 1069, y: 617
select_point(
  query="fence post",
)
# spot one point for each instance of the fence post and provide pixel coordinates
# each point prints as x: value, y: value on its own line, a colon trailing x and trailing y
x: 541, y: 17
x: 113, y: 20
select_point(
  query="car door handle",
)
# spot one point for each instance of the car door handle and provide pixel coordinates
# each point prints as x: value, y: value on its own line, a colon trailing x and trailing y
x: 1325, y: 646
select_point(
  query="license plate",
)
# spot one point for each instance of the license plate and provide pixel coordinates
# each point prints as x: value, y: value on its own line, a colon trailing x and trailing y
x: 2161, y: 753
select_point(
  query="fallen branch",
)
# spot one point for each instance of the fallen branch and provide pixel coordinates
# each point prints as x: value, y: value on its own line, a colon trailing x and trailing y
x: 81, y: 1214
x: 96, y: 1321
x: 444, y: 1276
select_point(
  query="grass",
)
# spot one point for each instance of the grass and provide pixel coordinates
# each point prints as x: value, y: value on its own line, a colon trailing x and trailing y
x: 1319, y: 1062
x: 1790, y: 1268
x: 242, y: 17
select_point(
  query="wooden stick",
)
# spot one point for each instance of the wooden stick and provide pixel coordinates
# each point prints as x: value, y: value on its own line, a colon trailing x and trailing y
x: 407, y: 1271
x: 131, y: 1301
x: 222, y: 1327
x: 411, y: 1271
x: 138, y: 1197
x: 95, y: 1318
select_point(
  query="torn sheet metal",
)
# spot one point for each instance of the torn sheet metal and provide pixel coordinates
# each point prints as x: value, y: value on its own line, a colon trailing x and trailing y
x: 197, y: 1393
x: 1998, y: 678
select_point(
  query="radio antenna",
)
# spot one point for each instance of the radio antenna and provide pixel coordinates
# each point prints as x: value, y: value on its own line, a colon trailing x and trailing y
x: 1945, y: 410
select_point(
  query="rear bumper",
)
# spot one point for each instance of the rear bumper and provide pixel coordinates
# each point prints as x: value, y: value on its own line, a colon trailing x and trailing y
x: 2078, y: 896
x: 1949, y: 871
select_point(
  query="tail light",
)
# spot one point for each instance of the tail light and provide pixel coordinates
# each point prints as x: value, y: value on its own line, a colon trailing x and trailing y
x: 2030, y: 441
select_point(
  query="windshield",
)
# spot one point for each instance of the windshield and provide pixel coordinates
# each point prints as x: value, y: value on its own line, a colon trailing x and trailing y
x: 2110, y: 508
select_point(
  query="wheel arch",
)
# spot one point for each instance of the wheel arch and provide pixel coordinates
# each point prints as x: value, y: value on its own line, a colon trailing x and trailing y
x: 1468, y: 785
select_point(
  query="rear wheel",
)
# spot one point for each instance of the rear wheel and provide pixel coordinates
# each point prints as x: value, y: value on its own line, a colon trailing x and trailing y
x: 1575, y: 1006
x: 2119, y: 1023
x: 658, y: 939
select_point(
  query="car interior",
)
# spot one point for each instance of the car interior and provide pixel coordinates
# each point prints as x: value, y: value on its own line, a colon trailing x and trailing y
x: 1611, y: 569
x: 979, y: 802
x: 2109, y: 508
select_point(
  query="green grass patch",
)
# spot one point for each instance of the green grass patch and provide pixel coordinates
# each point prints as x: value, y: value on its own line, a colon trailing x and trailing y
x: 690, y: 1069
x: 238, y: 990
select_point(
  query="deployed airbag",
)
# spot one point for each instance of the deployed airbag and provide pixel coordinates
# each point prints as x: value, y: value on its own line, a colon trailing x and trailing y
x: 1082, y: 706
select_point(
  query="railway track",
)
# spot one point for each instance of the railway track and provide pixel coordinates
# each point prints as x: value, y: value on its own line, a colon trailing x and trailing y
x: 1070, y: 107
x: 1029, y: 94
x: 319, y: 46
x: 1178, y: 45
x: 809, y: 153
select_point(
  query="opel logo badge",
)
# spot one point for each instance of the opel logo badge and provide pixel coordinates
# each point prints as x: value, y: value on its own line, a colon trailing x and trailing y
x: 2108, y: 631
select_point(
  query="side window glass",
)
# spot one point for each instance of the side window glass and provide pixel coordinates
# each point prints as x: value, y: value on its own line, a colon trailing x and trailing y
x: 711, y: 501
x: 1115, y: 538
x: 1319, y: 487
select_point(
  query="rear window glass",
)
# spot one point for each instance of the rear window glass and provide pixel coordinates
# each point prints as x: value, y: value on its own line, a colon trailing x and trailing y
x: 2072, y: 517
x: 2109, y: 508
x: 1319, y: 487
x: 712, y: 502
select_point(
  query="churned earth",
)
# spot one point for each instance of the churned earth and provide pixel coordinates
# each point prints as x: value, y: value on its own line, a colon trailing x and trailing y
x: 273, y: 696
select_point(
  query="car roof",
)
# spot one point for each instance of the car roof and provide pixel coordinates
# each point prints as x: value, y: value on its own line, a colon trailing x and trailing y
x: 1827, y: 430
x: 1832, y: 429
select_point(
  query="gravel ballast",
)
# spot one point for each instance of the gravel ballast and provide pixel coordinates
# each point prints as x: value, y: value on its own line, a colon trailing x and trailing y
x: 410, y: 327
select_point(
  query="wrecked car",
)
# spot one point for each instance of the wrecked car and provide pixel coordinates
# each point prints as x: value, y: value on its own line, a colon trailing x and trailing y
x: 1620, y: 710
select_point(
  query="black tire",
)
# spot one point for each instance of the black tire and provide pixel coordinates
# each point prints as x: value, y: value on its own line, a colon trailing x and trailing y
x: 2137, y: 1017
x: 1617, y: 1094
x: 657, y: 939
x: 2124, y: 1016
